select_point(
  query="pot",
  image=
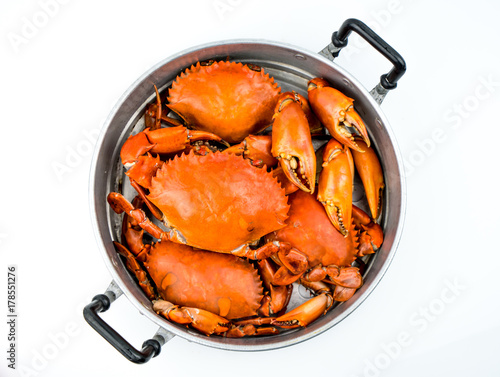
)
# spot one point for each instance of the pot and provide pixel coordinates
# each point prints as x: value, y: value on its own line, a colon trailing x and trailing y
x: 291, y: 67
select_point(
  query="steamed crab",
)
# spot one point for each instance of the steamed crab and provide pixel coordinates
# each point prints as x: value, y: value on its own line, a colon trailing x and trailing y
x: 228, y: 201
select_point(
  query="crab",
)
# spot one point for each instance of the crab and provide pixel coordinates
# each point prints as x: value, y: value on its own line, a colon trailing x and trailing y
x: 223, y: 285
x: 229, y: 99
x: 203, y: 197
x: 318, y: 250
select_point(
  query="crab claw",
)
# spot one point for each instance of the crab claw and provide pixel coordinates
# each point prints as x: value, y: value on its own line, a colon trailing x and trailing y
x: 348, y: 277
x: 306, y: 313
x: 335, y: 185
x: 371, y: 235
x: 166, y: 140
x: 315, y: 126
x: 202, y: 320
x: 336, y: 112
x: 369, y: 169
x: 256, y: 149
x: 292, y: 144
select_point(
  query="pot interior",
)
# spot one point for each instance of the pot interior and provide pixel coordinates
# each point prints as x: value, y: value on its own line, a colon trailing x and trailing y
x: 292, y: 68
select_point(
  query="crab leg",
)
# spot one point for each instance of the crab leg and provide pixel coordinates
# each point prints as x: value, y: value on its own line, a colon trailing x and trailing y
x: 306, y: 313
x: 371, y: 235
x: 370, y: 172
x: 131, y: 236
x: 335, y: 186
x: 157, y: 124
x: 339, y: 294
x: 119, y: 204
x: 163, y: 141
x: 257, y: 149
x: 250, y: 330
x: 262, y: 252
x: 154, y: 115
x: 336, y: 112
x: 317, y: 287
x: 140, y: 175
x: 151, y: 117
x: 134, y: 267
x: 292, y: 144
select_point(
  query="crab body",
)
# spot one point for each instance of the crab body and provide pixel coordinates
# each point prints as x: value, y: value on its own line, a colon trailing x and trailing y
x: 219, y: 283
x: 218, y: 202
x: 229, y: 99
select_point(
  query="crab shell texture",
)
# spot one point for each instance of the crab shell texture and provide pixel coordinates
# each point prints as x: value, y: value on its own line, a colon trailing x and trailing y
x: 223, y: 284
x: 218, y: 202
x: 310, y: 230
x: 229, y: 99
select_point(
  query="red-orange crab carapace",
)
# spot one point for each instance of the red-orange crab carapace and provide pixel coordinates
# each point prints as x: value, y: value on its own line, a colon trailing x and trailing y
x: 216, y: 202
x: 229, y: 99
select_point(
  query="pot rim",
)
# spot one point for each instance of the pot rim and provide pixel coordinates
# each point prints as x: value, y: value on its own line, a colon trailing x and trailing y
x: 226, y: 344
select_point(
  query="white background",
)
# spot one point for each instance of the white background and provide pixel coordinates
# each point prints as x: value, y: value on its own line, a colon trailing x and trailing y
x: 60, y: 80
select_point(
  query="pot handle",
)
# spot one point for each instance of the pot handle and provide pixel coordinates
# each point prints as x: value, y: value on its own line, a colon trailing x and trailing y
x: 387, y: 81
x: 100, y: 303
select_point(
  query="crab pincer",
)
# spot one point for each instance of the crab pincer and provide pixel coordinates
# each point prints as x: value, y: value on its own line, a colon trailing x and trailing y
x: 256, y: 149
x: 371, y: 174
x: 335, y: 185
x: 371, y: 234
x: 315, y: 125
x: 292, y: 144
x: 167, y: 140
x: 202, y: 320
x: 306, y: 313
x: 335, y: 110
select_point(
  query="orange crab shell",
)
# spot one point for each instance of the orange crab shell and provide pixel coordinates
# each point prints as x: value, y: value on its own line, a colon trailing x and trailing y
x: 223, y: 284
x: 218, y: 202
x: 310, y: 230
x: 229, y: 99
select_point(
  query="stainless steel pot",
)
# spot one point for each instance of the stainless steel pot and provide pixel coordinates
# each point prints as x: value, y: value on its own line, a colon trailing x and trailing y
x: 291, y: 67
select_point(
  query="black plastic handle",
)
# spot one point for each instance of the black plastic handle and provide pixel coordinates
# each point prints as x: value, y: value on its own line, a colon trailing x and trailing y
x: 101, y: 303
x: 339, y: 40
